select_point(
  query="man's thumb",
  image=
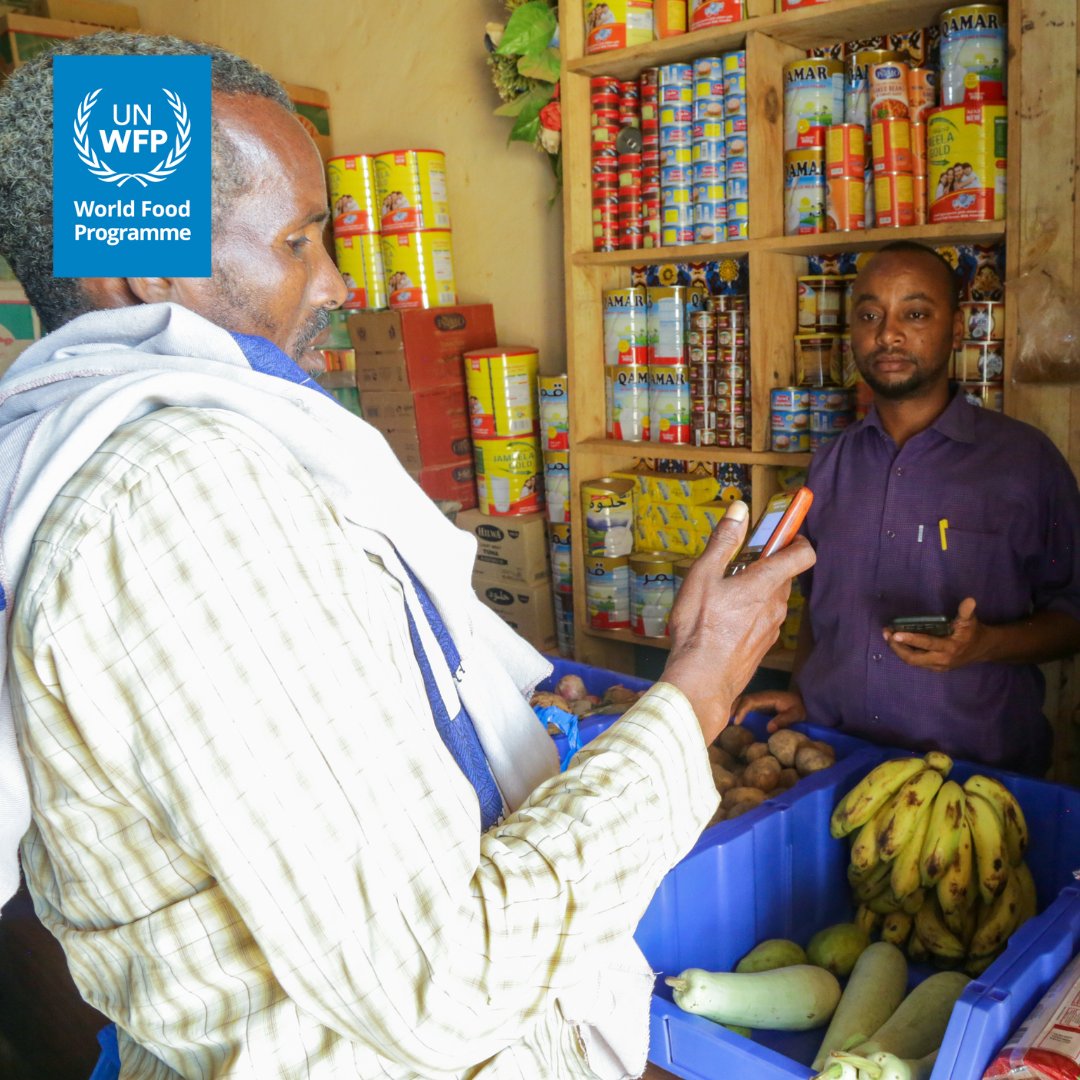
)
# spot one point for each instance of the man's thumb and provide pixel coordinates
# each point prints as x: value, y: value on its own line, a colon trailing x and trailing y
x: 966, y: 609
x: 729, y: 533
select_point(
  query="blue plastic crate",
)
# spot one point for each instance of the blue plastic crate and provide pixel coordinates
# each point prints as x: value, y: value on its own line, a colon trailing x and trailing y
x: 785, y: 876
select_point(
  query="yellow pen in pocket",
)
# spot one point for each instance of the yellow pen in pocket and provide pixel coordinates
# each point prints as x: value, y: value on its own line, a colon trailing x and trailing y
x: 943, y: 526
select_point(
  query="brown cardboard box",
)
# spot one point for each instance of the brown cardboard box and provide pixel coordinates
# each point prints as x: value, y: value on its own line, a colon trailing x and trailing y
x: 417, y: 349
x: 528, y: 610
x: 313, y: 108
x: 22, y: 37
x: 425, y: 429
x: 511, y: 550
x: 97, y: 12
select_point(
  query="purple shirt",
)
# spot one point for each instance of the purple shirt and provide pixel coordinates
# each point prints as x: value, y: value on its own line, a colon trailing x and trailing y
x: 1012, y: 543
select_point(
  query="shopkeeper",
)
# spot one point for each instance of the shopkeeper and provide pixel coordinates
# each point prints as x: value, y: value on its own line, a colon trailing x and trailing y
x: 933, y: 506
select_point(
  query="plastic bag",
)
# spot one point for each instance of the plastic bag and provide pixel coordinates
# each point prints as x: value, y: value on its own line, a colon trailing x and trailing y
x: 1048, y: 351
x: 551, y: 716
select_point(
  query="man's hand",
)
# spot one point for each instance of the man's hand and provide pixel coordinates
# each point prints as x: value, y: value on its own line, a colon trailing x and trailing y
x: 787, y: 704
x: 965, y: 645
x: 722, y: 627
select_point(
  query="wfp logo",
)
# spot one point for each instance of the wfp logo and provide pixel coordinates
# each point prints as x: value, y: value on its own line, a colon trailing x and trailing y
x: 133, y: 136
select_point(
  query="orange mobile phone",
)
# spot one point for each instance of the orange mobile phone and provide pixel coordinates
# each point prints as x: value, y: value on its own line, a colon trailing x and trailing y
x: 777, y: 527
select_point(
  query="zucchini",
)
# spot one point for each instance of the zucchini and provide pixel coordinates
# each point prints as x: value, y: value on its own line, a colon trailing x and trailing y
x: 794, y: 998
x: 882, y: 1066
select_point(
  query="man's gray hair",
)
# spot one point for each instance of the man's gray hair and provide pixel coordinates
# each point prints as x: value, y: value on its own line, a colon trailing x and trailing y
x: 26, y: 133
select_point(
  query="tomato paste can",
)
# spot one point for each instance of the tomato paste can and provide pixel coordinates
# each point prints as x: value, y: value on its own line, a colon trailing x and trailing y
x: 804, y: 191
x: 652, y: 592
x: 626, y: 330
x: 704, y: 13
x: 845, y: 150
x: 615, y: 24
x: 554, y: 404
x: 669, y: 403
x: 557, y: 487
x: 974, y: 54
x: 607, y: 592
x: 966, y: 154
x: 360, y: 261
x: 922, y: 93
x: 351, y: 182
x: 845, y: 203
x: 894, y: 200
x: 411, y: 189
x: 984, y: 320
x: 626, y: 402
x: 891, y: 141
x: 857, y: 82
x: 607, y: 505
x: 813, y: 100
x: 419, y: 269
x: 508, y: 475
x: 889, y: 90
x: 501, y: 384
x: 979, y: 361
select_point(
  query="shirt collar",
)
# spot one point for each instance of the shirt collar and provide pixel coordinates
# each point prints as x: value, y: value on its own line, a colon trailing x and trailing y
x: 956, y: 422
x: 267, y: 359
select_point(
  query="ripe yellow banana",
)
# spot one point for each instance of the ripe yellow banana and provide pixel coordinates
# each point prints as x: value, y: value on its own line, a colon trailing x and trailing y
x: 864, y: 852
x: 916, y: 950
x: 1029, y: 904
x: 935, y: 935
x: 906, y: 875
x: 988, y: 836
x: 939, y: 760
x: 868, y: 920
x: 997, y: 921
x: 885, y: 902
x: 905, y: 809
x: 956, y: 890
x: 1012, y: 816
x: 913, y: 901
x: 896, y: 928
x: 868, y: 796
x: 943, y: 833
x: 871, y: 883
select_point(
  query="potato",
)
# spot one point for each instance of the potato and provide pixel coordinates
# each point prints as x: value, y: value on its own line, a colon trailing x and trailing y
x: 784, y: 743
x: 571, y: 687
x: 719, y: 756
x: 809, y: 759
x: 738, y: 807
x: 824, y: 747
x: 724, y: 779
x: 735, y: 739
x: 788, y: 778
x: 754, y: 751
x: 720, y: 815
x: 744, y: 794
x: 762, y: 773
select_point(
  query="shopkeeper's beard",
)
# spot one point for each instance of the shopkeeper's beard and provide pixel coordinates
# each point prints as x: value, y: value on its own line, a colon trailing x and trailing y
x: 317, y: 324
x: 917, y: 381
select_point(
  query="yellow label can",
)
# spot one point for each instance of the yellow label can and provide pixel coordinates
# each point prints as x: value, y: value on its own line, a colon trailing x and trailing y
x: 359, y: 258
x: 508, y: 477
x: 411, y: 189
x: 501, y: 383
x: 351, y: 180
x: 419, y: 270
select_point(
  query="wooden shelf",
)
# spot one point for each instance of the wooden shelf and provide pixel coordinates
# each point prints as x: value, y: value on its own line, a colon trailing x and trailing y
x: 776, y: 660
x: 740, y: 455
x: 687, y: 253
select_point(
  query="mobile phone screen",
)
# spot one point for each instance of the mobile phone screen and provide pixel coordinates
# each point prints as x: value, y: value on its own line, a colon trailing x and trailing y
x: 776, y: 528
x: 764, y: 530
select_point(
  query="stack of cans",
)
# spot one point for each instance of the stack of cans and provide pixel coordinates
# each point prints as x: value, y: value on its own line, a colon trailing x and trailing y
x: 553, y: 391
x: 709, y: 171
x: 701, y: 354
x: 626, y: 358
x: 356, y: 218
x: 604, y: 99
x: 676, y: 93
x: 890, y: 138
x: 735, y: 140
x: 669, y: 374
x: 730, y: 312
x: 845, y: 177
x: 649, y: 93
x: 628, y: 147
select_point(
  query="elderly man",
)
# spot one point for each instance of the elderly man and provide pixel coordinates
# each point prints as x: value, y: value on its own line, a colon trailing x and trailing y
x: 292, y: 814
x: 933, y: 506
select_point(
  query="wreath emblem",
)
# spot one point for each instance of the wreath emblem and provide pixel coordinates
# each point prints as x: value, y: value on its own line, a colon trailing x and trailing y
x: 161, y: 171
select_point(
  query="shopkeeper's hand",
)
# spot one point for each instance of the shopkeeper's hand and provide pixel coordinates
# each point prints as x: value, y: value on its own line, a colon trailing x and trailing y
x: 965, y: 645
x: 721, y: 628
x: 787, y: 704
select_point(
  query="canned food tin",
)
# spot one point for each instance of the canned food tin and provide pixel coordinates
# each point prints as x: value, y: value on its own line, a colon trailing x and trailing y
x: 561, y: 561
x: 789, y: 399
x: 626, y: 329
x: 738, y: 225
x: 973, y: 54
x: 820, y: 439
x: 626, y: 402
x: 830, y: 421
x: 849, y: 370
x: 804, y: 191
x: 652, y: 592
x: 892, y: 146
x: 554, y: 404
x: 845, y: 150
x: 607, y: 505
x: 419, y: 269
x: 979, y: 361
x: 669, y: 18
x: 557, y: 487
x: 607, y: 592
x: 919, y: 163
x: 857, y: 82
x: 986, y: 395
x: 705, y: 13
x: 501, y: 384
x: 676, y: 83
x: 813, y: 99
x: 819, y: 303
x: 411, y: 189
x: 919, y: 191
x: 794, y: 436
x: 894, y: 199
x: 966, y: 152
x: 889, y: 90
x: 817, y: 359
x: 667, y: 324
x: 360, y: 260
x: 845, y: 203
x: 616, y: 24
x: 922, y: 93
x: 508, y: 477
x: 675, y: 155
x: 831, y: 399
x: 351, y: 181
x: 984, y: 320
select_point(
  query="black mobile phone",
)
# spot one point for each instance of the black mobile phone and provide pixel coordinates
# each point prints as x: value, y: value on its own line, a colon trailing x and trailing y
x: 934, y: 625
x: 777, y: 528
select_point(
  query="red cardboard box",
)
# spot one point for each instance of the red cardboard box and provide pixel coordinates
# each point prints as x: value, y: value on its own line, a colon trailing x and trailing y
x: 417, y: 349
x: 425, y: 429
x: 450, y: 483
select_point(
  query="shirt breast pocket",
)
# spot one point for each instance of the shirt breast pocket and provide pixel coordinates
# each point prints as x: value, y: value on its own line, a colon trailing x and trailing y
x: 969, y: 563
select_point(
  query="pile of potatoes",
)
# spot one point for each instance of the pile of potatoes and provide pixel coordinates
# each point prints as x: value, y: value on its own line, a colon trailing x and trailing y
x: 748, y: 772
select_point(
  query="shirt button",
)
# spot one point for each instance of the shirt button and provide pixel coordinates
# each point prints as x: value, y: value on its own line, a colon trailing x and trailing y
x: 877, y: 656
x: 890, y: 534
x: 900, y: 470
x: 877, y: 719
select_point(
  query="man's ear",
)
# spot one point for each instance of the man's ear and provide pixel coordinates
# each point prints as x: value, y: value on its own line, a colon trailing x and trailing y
x: 152, y: 290
x: 108, y: 292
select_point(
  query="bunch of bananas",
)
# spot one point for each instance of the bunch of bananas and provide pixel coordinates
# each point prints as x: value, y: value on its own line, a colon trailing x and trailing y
x: 937, y: 868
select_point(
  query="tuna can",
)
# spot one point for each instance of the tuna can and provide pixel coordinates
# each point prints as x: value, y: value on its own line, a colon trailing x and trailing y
x: 966, y: 152
x: 508, y: 476
x: 819, y: 303
x: 676, y: 83
x: 626, y: 330
x: 704, y: 13
x: 738, y: 220
x: 892, y: 146
x: 830, y: 421
x: 832, y: 399
x: 845, y: 150
x: 845, y: 204
x: 554, y: 402
x: 615, y: 24
x: 817, y: 359
x: 669, y: 403
x: 889, y: 91
x: 419, y: 269
x: 667, y: 324
x: 922, y: 93
x: 351, y: 180
x: 985, y: 395
x: 607, y: 505
x: 669, y: 18
x: 607, y: 592
x: 790, y: 419
x: 973, y: 54
x: 894, y: 199
x: 984, y: 320
x: 411, y: 188
x: 813, y: 100
x: 857, y: 82
x: 360, y: 261
x: 789, y: 399
x: 804, y: 191
x: 979, y: 361
x: 652, y: 592
x: 501, y: 384
x: 557, y: 486
x: 626, y: 401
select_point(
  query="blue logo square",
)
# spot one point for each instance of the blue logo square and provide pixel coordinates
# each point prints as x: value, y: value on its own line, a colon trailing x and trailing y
x: 131, y: 166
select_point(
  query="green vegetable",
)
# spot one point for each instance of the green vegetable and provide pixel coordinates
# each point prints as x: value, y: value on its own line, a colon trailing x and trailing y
x: 837, y: 947
x: 770, y: 954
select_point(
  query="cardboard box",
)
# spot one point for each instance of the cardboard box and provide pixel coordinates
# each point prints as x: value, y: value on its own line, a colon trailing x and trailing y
x: 528, y: 610
x: 22, y: 37
x: 97, y: 12
x: 510, y: 551
x: 425, y: 430
x: 313, y: 108
x: 449, y: 484
x: 417, y: 349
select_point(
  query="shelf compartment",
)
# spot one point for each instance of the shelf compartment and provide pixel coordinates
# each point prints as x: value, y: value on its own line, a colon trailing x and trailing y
x: 958, y: 232
x: 740, y: 455
x: 775, y: 659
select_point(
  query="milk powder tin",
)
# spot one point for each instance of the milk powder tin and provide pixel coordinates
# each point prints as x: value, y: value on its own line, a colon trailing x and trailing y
x: 411, y: 189
x: 419, y: 269
x: 607, y: 592
x: 973, y: 54
x: 705, y: 13
x: 804, y: 191
x: 813, y: 99
x: 667, y: 323
x: 508, y: 475
x: 360, y: 260
x: 554, y: 399
x: 557, y: 486
x: 607, y: 506
x: 652, y: 592
x: 966, y: 152
x: 626, y: 330
x: 351, y: 181
x: 615, y: 24
x: 501, y: 384
x: 669, y: 403
x: 984, y: 320
x: 626, y: 402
